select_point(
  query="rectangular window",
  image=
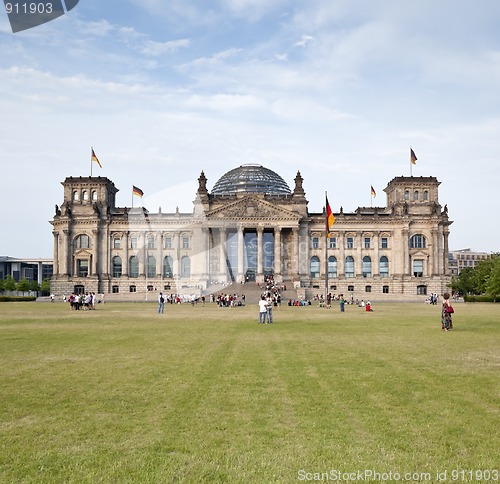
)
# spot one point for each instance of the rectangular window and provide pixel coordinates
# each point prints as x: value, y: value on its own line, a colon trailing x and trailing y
x: 333, y: 242
x: 367, y: 242
x: 384, y: 244
x: 132, y: 289
x: 185, y: 242
x: 83, y: 267
x: 350, y: 242
x: 134, y: 242
x: 418, y: 268
x: 168, y: 242
x: 115, y: 289
x: 315, y: 242
x: 116, y: 243
x: 151, y: 242
x: 385, y: 289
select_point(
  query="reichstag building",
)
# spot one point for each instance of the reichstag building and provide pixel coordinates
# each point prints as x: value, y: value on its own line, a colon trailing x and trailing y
x: 250, y: 225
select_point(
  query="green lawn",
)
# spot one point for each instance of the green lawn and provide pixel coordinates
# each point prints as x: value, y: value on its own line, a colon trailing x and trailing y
x: 204, y: 394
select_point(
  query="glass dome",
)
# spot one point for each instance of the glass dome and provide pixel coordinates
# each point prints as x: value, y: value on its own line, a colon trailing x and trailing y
x: 253, y: 179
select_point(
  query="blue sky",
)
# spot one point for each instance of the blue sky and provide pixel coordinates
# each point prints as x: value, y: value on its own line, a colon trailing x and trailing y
x: 339, y: 90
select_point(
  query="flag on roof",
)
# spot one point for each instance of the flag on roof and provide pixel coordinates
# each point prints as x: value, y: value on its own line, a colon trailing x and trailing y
x: 93, y: 157
x: 330, y: 219
x: 137, y: 191
x: 413, y: 157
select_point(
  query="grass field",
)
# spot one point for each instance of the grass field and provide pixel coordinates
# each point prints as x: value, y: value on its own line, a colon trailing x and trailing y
x: 204, y: 394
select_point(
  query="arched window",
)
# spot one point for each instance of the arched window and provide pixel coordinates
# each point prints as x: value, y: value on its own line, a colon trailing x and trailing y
x: 349, y: 266
x: 117, y: 266
x: 367, y: 267
x: 384, y: 266
x: 168, y: 267
x: 76, y: 195
x: 134, y: 266
x: 407, y: 194
x: 417, y: 242
x: 94, y: 195
x: 85, y: 195
x: 314, y: 266
x: 332, y: 266
x: 82, y: 242
x: 151, y: 266
x: 415, y: 195
x: 185, y: 266
x: 426, y: 195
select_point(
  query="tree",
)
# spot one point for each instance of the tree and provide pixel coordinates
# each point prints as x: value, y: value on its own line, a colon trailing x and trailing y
x: 23, y: 285
x: 34, y: 286
x: 45, y: 287
x: 464, y: 282
x: 2, y: 285
x: 481, y: 274
x: 493, y: 283
x: 10, y: 284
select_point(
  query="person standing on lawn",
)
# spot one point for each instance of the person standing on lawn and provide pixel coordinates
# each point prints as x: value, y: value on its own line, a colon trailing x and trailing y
x: 446, y: 312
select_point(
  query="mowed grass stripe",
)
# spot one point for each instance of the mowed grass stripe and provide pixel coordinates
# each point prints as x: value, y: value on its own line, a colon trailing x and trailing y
x: 208, y: 395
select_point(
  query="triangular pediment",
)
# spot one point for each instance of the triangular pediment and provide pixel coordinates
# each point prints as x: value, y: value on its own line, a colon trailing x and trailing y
x: 252, y: 208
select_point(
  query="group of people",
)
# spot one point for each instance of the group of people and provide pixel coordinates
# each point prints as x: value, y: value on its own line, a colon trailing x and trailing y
x: 266, y: 304
x: 85, y: 301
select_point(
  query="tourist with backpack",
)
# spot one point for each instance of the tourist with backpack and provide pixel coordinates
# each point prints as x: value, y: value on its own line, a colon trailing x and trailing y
x: 161, y: 303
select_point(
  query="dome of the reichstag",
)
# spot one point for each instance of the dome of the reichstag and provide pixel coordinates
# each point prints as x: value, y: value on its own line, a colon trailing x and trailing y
x: 253, y: 179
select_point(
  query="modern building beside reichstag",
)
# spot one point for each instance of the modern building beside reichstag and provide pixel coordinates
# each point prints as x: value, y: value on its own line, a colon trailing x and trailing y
x: 251, y: 224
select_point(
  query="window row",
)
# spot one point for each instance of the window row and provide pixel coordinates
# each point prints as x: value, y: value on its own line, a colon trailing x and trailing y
x: 134, y: 242
x: 366, y: 267
x: 83, y: 242
x: 151, y: 267
x: 85, y: 195
x: 417, y: 241
x: 424, y: 196
x: 349, y: 243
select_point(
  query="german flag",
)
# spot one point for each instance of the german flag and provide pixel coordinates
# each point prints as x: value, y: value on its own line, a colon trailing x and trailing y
x: 374, y: 193
x: 413, y: 157
x: 93, y: 157
x: 330, y: 219
x: 137, y: 191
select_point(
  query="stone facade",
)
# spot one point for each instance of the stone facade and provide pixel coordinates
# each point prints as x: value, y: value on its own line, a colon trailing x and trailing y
x: 244, y: 235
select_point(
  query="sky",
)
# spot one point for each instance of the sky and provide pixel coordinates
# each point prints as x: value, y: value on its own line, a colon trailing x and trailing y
x: 336, y: 89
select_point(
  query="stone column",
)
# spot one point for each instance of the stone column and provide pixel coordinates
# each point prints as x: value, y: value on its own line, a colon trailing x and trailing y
x: 222, y: 253
x: 341, y: 259
x: 162, y: 241
x: 446, y: 234
x: 241, y: 255
x: 67, y: 257
x: 295, y: 252
x: 376, y: 254
x: 143, y: 265
x: 406, y: 252
x: 125, y: 258
x: 56, y: 254
x: 260, y: 249
x: 358, y: 263
x: 277, y: 254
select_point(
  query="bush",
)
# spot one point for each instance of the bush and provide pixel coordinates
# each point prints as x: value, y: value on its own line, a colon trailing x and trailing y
x: 471, y: 298
x: 17, y: 298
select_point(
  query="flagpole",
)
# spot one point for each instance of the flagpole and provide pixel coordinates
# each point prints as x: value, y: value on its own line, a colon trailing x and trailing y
x: 132, y: 197
x: 411, y: 164
x: 91, y: 149
x: 326, y: 251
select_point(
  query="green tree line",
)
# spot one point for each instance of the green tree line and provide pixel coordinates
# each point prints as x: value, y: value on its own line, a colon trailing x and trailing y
x: 9, y: 284
x: 484, y: 279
